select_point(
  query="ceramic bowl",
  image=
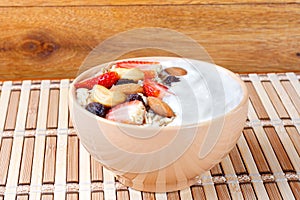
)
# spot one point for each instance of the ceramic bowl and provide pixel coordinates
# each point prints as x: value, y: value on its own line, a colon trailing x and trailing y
x: 173, y: 157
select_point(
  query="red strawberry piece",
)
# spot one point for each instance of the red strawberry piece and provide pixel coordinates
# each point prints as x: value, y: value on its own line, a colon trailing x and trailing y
x: 143, y: 65
x: 154, y: 89
x: 106, y: 80
x: 132, y: 112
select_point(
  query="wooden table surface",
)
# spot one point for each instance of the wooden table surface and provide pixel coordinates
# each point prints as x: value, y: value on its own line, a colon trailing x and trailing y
x: 41, y: 156
x: 50, y: 39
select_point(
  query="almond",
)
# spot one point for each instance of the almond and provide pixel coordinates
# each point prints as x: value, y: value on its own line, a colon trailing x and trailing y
x: 176, y: 71
x: 129, y: 88
x: 106, y: 97
x: 160, y: 107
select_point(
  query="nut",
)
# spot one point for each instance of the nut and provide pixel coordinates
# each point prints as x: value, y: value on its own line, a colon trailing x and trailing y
x: 159, y: 107
x: 132, y: 73
x: 129, y: 88
x: 106, y: 97
x: 176, y: 71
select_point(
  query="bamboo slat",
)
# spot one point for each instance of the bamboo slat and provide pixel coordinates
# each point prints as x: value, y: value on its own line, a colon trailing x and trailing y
x: 72, y: 160
x: 50, y: 157
x: 232, y: 180
x: 96, y: 171
x: 62, y: 140
x: 32, y: 109
x: 4, y: 159
x: 252, y: 168
x: 237, y: 161
x: 161, y: 196
x: 258, y: 106
x: 12, y: 110
x: 4, y: 101
x: 271, y: 157
x: 84, y: 174
x: 295, y: 137
x: 294, y: 81
x: 284, y: 138
x: 208, y: 186
x: 292, y: 94
x: 53, y: 109
x: 275, y: 100
x: 42, y: 158
x: 39, y: 145
x: 186, y: 194
x: 198, y: 193
x: 15, y: 158
x: 26, y: 164
x: 223, y: 192
x: 109, y: 185
x: 284, y: 96
x: 135, y: 194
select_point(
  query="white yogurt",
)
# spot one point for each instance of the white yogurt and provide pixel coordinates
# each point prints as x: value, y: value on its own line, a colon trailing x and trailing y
x: 207, y: 91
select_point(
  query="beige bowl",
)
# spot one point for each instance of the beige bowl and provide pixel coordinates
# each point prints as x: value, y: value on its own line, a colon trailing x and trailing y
x: 173, y: 157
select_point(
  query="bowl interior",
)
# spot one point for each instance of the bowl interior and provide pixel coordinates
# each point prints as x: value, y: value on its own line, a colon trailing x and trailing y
x: 206, y: 92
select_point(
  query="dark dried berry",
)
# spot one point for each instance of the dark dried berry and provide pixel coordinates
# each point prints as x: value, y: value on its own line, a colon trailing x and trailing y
x: 171, y: 79
x: 124, y: 81
x: 133, y: 97
x: 97, y: 109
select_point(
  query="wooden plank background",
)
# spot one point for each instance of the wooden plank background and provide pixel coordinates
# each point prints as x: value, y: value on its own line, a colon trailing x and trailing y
x: 41, y: 39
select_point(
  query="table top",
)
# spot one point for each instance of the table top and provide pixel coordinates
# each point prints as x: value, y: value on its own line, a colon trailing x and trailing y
x: 42, y: 158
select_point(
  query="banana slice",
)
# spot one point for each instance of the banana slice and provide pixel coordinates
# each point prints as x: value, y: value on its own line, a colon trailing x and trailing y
x: 132, y: 74
x: 106, y: 97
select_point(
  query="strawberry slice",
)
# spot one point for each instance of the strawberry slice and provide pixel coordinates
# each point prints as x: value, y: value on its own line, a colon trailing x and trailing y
x: 143, y: 65
x: 132, y: 112
x: 154, y: 89
x: 149, y: 68
x: 106, y: 80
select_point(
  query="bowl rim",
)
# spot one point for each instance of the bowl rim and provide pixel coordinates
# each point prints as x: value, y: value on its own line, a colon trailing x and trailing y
x: 74, y: 103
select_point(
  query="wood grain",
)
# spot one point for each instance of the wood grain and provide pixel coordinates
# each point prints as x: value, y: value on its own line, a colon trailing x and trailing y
x: 247, y: 191
x: 273, y: 191
x: 26, y: 163
x: 49, y: 162
x: 72, y: 196
x: 126, y: 3
x: 12, y: 111
x: 295, y: 185
x: 5, y: 152
x: 292, y: 94
x: 52, y: 42
x: 97, y: 196
x: 123, y: 195
x: 32, y: 109
x: 256, y: 101
x: 198, y: 193
x: 256, y: 151
x: 237, y: 161
x: 47, y: 197
x: 22, y: 197
x: 279, y: 149
x: 223, y: 191
x: 277, y: 103
x: 73, y: 159
x: 216, y: 170
x: 295, y: 137
x: 96, y: 171
x: 53, y: 108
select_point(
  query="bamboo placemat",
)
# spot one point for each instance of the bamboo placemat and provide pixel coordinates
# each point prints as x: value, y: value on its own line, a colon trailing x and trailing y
x: 42, y: 158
